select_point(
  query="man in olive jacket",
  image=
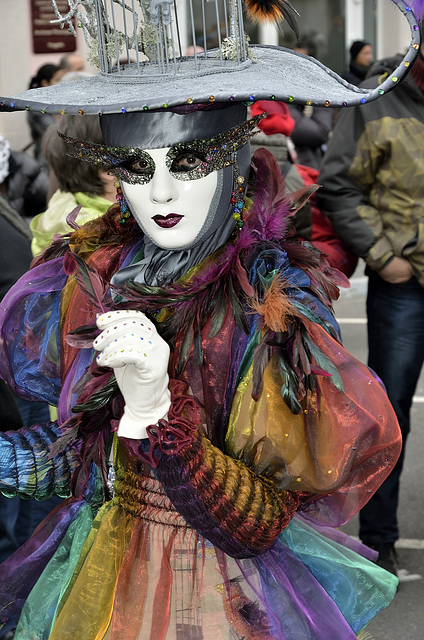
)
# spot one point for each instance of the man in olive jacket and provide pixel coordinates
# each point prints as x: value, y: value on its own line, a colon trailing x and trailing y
x: 373, y: 192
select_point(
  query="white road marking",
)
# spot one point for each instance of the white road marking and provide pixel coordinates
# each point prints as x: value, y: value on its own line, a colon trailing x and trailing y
x: 404, y: 543
x: 410, y: 543
x: 405, y: 576
x: 351, y: 320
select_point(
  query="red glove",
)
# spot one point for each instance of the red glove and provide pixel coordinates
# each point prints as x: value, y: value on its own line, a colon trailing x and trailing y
x: 279, y: 119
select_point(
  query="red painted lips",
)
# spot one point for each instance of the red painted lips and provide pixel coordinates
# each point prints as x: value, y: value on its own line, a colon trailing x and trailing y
x: 167, y: 222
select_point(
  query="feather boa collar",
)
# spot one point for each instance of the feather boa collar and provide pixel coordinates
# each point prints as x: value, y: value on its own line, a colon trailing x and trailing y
x: 182, y: 308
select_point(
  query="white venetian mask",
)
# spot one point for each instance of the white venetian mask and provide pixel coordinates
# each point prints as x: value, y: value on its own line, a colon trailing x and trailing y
x: 172, y: 211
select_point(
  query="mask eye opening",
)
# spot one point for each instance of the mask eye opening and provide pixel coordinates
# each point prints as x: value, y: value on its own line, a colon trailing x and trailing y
x: 187, y: 162
x: 126, y: 168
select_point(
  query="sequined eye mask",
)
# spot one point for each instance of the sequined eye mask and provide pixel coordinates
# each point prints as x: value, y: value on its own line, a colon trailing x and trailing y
x: 185, y: 160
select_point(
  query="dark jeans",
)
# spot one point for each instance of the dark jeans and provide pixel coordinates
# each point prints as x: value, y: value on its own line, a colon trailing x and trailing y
x: 19, y: 518
x: 396, y: 353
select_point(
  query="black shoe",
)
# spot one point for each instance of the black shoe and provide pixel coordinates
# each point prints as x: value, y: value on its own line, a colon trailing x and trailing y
x: 387, y: 556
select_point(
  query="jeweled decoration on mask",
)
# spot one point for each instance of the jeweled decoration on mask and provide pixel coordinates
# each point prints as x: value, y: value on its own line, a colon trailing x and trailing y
x: 237, y: 198
x: 120, y: 199
x: 136, y: 166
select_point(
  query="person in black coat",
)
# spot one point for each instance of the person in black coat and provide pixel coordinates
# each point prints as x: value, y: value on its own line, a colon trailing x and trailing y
x: 360, y: 62
x: 27, y: 184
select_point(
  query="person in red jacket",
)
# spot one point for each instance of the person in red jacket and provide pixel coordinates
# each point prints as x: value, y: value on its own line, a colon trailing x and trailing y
x: 309, y: 221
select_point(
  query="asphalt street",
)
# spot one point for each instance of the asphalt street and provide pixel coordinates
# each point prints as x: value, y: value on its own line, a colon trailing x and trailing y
x: 404, y: 618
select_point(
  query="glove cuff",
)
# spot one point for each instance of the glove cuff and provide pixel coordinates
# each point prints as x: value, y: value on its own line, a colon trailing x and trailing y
x: 135, y: 426
x: 169, y: 436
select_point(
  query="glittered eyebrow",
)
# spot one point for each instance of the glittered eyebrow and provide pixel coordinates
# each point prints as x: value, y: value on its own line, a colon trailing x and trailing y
x: 213, y: 151
x: 113, y: 159
x: 100, y: 154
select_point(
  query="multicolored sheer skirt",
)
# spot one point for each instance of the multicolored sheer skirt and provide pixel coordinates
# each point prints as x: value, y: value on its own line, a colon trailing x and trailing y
x: 136, y: 571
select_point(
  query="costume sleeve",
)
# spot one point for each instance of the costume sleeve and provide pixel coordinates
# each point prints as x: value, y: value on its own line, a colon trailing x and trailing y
x: 338, y: 444
x: 326, y: 458
x: 31, y: 464
x: 347, y: 174
x: 237, y: 510
x: 29, y: 468
x: 306, y: 414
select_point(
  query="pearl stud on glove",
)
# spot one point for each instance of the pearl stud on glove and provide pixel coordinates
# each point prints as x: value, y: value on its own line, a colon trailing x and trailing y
x: 131, y: 346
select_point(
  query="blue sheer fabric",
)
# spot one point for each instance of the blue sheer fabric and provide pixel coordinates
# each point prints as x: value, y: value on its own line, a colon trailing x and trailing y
x: 29, y: 315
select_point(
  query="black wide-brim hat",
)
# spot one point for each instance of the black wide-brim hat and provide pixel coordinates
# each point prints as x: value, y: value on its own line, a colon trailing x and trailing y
x: 269, y: 73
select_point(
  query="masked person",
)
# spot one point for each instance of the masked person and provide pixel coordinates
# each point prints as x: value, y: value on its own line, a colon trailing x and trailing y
x: 211, y: 427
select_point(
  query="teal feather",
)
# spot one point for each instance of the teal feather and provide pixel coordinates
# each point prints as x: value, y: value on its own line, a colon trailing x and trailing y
x: 198, y: 348
x: 185, y: 349
x: 289, y: 388
x: 323, y: 362
x: 300, y: 355
x: 261, y: 358
x: 313, y: 317
x: 238, y: 312
x: 248, y: 357
x: 167, y: 298
x: 219, y: 308
x: 91, y: 283
x: 99, y: 399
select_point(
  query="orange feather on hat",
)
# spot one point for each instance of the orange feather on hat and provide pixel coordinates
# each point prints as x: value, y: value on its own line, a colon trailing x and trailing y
x: 272, y: 10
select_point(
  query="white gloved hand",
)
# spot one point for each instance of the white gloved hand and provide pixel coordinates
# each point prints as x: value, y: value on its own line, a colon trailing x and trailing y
x: 131, y: 346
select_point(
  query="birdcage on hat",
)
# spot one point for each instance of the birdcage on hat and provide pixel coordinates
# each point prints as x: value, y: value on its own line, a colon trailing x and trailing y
x: 143, y: 38
x: 140, y: 47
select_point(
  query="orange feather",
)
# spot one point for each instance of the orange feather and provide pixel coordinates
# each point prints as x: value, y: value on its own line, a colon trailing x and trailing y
x: 272, y: 10
x: 275, y: 309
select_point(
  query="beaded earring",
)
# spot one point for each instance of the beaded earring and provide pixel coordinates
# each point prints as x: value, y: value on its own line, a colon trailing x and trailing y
x: 237, y: 197
x: 125, y: 212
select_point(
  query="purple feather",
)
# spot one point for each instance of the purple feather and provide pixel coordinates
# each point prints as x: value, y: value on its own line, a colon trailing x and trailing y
x: 72, y: 217
x: 272, y: 208
x: 88, y: 279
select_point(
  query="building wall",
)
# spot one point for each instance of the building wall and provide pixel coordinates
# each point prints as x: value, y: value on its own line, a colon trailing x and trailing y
x: 15, y: 55
x: 18, y: 64
x: 393, y: 34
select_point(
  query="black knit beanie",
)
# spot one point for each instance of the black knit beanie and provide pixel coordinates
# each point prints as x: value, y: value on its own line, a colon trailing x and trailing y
x: 356, y: 47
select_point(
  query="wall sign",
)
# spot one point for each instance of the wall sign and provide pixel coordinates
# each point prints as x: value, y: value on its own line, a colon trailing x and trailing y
x: 47, y: 37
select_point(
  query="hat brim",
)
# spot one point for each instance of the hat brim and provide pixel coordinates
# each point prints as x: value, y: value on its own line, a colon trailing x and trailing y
x: 276, y: 73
